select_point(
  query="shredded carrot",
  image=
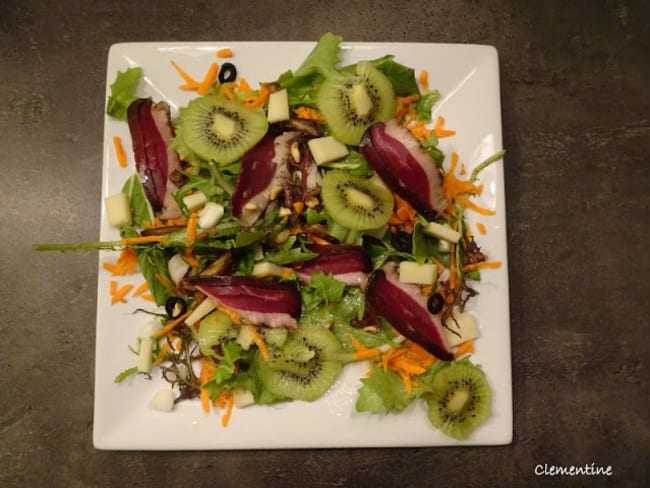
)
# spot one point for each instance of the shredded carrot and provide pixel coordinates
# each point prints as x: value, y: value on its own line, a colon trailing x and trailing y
x: 192, y: 225
x: 403, y: 214
x: 172, y: 324
x: 244, y: 86
x: 424, y: 80
x: 440, y: 132
x: 357, y: 344
x: 207, y: 371
x: 119, y: 152
x: 259, y: 341
x: 142, y: 240
x: 127, y: 263
x: 230, y: 403
x: 481, y: 228
x: 308, y: 113
x: 190, y: 83
x: 464, y: 348
x: 226, y: 90
x: 230, y: 313
x: 220, y: 401
x: 224, y: 53
x: 113, y: 287
x: 191, y: 259
x: 471, y: 205
x: 209, y: 79
x: 261, y: 98
x: 141, y: 289
x: 481, y: 265
x: 148, y: 297
x: 367, y: 354
x: 120, y: 294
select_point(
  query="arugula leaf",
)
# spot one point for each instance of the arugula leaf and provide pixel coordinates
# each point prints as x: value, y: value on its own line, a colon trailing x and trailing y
x: 383, y: 390
x: 125, y: 374
x: 138, y: 200
x: 123, y: 92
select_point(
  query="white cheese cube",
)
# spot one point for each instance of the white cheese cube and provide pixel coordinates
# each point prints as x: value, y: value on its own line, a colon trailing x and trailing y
x: 210, y: 215
x: 327, y: 149
x: 178, y: 268
x: 264, y: 269
x: 420, y: 274
x: 243, y: 398
x: 118, y: 210
x: 195, y: 200
x: 163, y: 401
x: 462, y: 329
x: 278, y: 106
x: 442, y: 232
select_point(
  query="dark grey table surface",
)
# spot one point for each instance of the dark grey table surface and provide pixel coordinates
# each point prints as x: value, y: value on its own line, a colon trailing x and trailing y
x: 576, y: 109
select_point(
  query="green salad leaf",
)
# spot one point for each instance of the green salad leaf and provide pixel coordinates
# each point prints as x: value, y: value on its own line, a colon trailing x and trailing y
x: 123, y: 92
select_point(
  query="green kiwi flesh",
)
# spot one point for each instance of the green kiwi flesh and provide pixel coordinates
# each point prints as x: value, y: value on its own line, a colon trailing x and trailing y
x: 219, y: 129
x: 460, y: 400
x: 299, y: 370
x: 354, y: 202
x: 351, y: 104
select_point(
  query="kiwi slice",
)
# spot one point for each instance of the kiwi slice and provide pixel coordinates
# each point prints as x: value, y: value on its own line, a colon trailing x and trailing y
x: 219, y: 129
x: 351, y: 104
x: 355, y: 202
x: 300, y: 370
x: 460, y: 400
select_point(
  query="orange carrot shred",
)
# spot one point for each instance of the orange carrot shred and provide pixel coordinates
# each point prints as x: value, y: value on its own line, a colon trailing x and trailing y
x: 120, y: 294
x: 481, y: 265
x: 424, y: 80
x: 464, y: 348
x: 481, y: 228
x: 119, y: 152
x: 142, y: 240
x: 224, y: 53
x: 209, y: 79
x: 308, y: 113
x: 141, y: 289
x: 259, y: 342
x: 172, y: 324
x: 230, y: 403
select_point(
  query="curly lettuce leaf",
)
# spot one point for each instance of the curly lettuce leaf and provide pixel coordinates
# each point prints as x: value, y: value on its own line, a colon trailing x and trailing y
x: 318, y: 64
x: 123, y: 92
x: 383, y: 391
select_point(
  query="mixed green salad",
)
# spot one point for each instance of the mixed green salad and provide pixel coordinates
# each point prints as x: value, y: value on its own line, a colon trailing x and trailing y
x: 289, y: 229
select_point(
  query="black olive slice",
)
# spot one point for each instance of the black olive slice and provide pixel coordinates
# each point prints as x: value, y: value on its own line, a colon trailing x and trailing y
x: 435, y: 303
x: 227, y: 73
x: 175, y: 307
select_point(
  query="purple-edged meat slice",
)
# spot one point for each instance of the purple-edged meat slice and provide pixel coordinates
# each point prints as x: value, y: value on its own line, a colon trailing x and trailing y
x: 347, y: 263
x: 405, y: 308
x: 399, y: 160
x: 264, y: 174
x: 258, y: 301
x: 151, y: 136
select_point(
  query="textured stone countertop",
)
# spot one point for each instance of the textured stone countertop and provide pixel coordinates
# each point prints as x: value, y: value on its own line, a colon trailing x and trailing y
x: 576, y: 125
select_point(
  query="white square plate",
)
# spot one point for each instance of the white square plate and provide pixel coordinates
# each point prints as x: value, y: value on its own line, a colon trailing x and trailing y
x: 468, y: 79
